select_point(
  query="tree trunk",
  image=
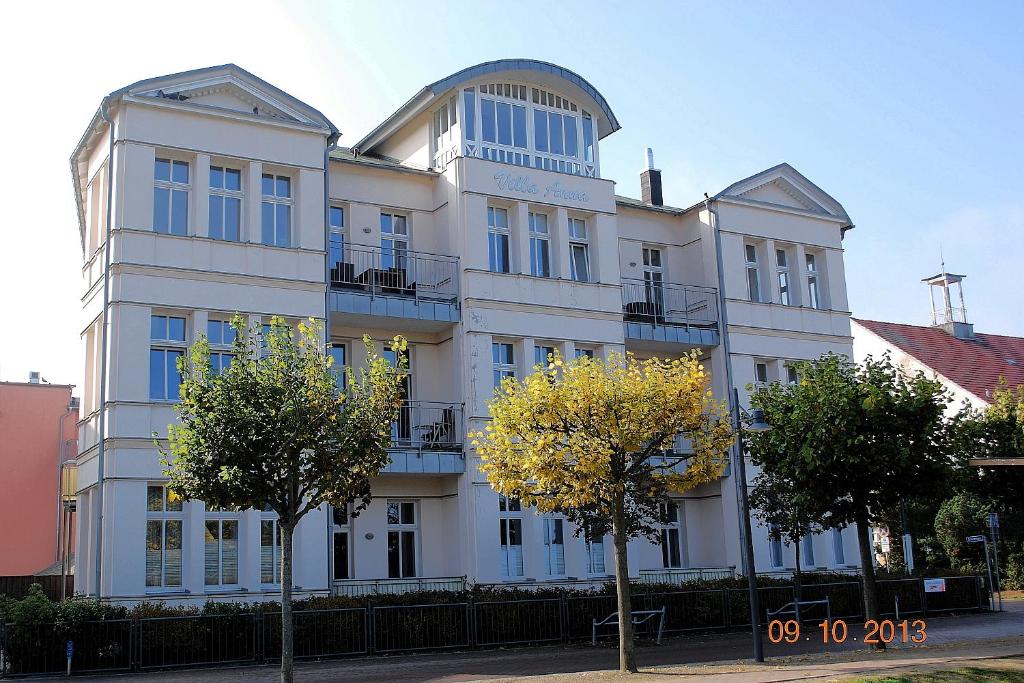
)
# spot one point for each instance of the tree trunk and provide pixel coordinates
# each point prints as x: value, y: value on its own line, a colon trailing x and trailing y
x: 867, y: 568
x: 797, y: 577
x: 287, y: 625
x: 627, y: 655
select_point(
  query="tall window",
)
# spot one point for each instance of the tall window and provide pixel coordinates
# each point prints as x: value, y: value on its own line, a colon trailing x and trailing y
x: 167, y: 345
x: 340, y: 529
x: 510, y: 531
x: 753, y: 281
x: 170, y: 197
x: 336, y: 243
x: 595, y: 555
x: 469, y: 113
x: 497, y: 240
x: 556, y: 133
x: 542, y: 355
x: 444, y: 122
x: 164, y: 520
x: 504, y: 123
x: 807, y: 550
x: 270, y: 548
x: 338, y: 353
x: 554, y: 546
x: 782, y: 272
x: 813, y: 295
x: 654, y: 276
x: 276, y: 217
x: 221, y: 336
x: 503, y: 362
x: 671, y: 536
x: 402, y: 531
x: 402, y: 429
x: 584, y: 353
x: 221, y: 549
x: 579, y: 250
x: 838, y: 550
x: 791, y: 375
x: 774, y: 546
x: 225, y: 203
x: 394, y: 240
x: 540, y: 247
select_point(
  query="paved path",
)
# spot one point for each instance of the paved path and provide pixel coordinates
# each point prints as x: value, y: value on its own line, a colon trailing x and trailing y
x: 980, y: 631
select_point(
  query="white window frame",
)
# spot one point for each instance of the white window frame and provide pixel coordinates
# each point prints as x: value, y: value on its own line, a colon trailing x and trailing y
x: 761, y: 382
x: 786, y: 294
x: 220, y: 349
x: 838, y: 547
x: 495, y: 233
x: 168, y: 513
x: 510, y: 510
x: 343, y: 527
x: 775, y: 552
x: 666, y: 525
x: 581, y: 351
x: 500, y: 368
x: 224, y: 194
x: 550, y: 347
x: 270, y: 517
x: 753, y: 273
x: 338, y: 231
x: 220, y: 518
x: 596, y: 561
x: 807, y: 551
x: 814, y: 289
x: 276, y: 201
x: 172, y: 187
x: 167, y: 345
x: 540, y: 242
x: 554, y: 553
x: 398, y: 234
x: 576, y: 241
x: 792, y: 376
x: 401, y: 528
x: 339, y: 371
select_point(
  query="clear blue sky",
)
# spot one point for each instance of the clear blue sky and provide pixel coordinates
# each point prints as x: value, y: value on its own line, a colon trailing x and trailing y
x: 911, y: 114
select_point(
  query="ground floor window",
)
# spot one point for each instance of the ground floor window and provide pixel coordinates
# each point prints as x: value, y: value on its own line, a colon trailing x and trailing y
x: 837, y: 546
x: 164, y: 519
x: 340, y: 534
x: 807, y: 550
x: 270, y: 550
x: 595, y: 557
x: 775, y: 546
x: 403, y: 529
x: 554, y: 546
x: 671, y: 536
x: 510, y: 531
x: 221, y: 551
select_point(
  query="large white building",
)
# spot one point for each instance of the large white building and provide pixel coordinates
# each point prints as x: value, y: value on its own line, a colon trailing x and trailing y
x: 475, y: 220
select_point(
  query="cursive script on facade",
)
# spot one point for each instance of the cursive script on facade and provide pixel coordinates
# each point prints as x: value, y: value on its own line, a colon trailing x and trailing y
x: 508, y: 182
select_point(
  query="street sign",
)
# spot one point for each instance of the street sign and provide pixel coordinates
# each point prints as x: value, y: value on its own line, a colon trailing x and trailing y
x: 976, y: 539
x: 993, y: 520
x: 934, y: 585
x: 885, y: 544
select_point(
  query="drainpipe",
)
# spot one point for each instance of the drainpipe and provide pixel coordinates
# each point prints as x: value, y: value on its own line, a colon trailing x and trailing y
x: 332, y: 139
x: 104, y: 335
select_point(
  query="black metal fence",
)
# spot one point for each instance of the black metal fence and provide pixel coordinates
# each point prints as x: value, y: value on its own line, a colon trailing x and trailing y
x: 255, y: 638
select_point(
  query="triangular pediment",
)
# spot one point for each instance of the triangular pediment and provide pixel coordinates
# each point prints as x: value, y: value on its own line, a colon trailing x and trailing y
x: 228, y: 88
x: 786, y: 187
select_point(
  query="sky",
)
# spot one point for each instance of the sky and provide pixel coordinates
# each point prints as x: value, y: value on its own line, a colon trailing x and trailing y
x: 911, y: 114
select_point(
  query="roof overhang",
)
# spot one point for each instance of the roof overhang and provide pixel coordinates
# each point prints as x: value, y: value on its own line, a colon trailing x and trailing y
x: 533, y: 71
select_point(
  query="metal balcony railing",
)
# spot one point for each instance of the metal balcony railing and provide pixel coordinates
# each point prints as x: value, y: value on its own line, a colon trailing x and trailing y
x: 661, y: 303
x: 428, y: 425
x: 354, y: 588
x: 949, y: 315
x: 682, y: 575
x: 396, y: 272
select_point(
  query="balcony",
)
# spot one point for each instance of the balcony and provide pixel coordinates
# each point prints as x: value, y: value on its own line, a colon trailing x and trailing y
x: 660, y: 315
x: 427, y: 438
x: 355, y: 588
x: 369, y: 282
x: 678, y: 577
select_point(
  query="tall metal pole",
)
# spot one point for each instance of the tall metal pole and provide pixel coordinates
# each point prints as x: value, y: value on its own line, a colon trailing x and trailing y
x: 747, y: 540
x: 994, y: 533
x: 991, y: 586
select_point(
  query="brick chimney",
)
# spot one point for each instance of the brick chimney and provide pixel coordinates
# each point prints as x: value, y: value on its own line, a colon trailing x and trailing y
x: 650, y: 182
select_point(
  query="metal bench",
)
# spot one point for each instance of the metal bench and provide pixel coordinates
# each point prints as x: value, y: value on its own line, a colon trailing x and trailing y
x: 639, y: 617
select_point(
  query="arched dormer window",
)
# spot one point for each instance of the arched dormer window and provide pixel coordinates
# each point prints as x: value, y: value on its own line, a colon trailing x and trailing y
x: 517, y: 124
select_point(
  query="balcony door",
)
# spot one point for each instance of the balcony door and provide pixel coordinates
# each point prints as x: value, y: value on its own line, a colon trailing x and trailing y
x: 340, y: 533
x: 654, y: 281
x: 401, y: 429
x: 394, y: 241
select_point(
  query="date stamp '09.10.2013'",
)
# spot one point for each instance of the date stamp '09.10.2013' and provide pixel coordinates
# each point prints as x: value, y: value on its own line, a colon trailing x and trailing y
x: 836, y: 631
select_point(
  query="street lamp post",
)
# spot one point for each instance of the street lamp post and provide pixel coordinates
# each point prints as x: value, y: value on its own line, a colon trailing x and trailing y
x: 757, y: 424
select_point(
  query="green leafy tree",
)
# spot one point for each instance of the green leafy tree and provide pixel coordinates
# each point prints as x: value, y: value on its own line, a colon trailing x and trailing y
x: 854, y: 439
x: 272, y: 431
x: 787, y: 511
x: 593, y: 439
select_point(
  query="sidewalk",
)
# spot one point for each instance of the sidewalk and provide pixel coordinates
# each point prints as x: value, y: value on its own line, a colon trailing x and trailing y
x: 971, y: 636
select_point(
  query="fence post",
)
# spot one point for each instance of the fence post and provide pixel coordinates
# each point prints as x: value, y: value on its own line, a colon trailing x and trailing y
x: 924, y: 597
x: 135, y: 644
x: 371, y: 629
x: 726, y: 610
x: 563, y: 618
x: 471, y: 622
x: 257, y: 637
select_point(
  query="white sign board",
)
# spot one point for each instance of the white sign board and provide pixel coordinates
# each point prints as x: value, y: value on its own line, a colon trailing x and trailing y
x: 885, y: 544
x: 934, y: 585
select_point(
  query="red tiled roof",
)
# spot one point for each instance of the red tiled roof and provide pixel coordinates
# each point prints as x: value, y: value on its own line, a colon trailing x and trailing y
x: 976, y: 365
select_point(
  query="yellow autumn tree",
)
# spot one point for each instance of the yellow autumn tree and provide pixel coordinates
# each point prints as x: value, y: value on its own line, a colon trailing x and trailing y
x: 593, y: 439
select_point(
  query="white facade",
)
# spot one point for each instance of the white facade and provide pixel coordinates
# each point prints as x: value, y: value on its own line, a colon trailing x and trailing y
x: 435, y: 226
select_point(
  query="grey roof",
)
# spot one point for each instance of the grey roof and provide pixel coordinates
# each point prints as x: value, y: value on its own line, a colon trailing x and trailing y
x: 347, y: 156
x: 607, y: 122
x: 638, y: 204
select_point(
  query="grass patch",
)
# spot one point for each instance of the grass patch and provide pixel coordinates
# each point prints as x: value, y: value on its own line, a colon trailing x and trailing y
x: 977, y: 674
